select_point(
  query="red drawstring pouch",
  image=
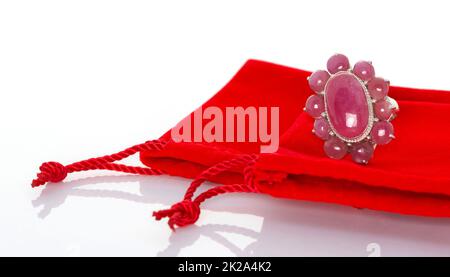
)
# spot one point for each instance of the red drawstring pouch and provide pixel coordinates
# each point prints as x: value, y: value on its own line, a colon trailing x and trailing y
x: 410, y: 175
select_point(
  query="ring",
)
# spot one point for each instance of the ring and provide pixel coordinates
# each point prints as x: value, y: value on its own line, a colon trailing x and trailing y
x: 352, y: 109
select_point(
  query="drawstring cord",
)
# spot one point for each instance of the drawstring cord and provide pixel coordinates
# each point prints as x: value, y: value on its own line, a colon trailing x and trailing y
x: 180, y: 214
x: 187, y: 211
x: 56, y: 172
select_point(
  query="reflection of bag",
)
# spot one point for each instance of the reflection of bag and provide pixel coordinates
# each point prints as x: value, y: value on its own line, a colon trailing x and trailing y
x: 411, y: 175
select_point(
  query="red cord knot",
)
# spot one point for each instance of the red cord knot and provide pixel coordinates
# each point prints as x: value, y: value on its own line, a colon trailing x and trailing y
x: 180, y: 214
x: 50, y: 172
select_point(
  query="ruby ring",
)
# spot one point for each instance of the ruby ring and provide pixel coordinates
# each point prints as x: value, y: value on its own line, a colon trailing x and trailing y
x: 351, y: 107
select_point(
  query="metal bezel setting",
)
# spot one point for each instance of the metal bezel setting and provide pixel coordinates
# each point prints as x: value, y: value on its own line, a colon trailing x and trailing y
x: 369, y: 102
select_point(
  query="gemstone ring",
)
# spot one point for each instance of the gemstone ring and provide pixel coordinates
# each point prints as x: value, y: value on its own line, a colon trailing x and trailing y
x: 352, y: 109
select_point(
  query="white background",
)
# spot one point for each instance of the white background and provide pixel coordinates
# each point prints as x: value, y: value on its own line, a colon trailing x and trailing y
x: 80, y: 79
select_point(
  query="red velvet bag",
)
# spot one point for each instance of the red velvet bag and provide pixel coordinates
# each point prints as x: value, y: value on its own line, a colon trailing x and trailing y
x: 411, y: 175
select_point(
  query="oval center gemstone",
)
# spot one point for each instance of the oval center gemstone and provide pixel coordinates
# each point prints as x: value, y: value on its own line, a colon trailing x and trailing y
x: 346, y: 105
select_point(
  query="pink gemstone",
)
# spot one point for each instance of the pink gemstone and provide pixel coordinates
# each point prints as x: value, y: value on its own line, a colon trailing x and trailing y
x: 318, y: 79
x: 382, y: 110
x: 362, y: 152
x: 347, y: 106
x: 337, y: 62
x: 378, y: 88
x: 315, y: 106
x: 382, y: 132
x: 335, y: 148
x: 321, y: 128
x: 364, y: 70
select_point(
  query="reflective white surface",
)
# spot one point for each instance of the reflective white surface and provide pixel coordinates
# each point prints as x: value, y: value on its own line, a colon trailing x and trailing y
x: 110, y: 215
x: 88, y: 78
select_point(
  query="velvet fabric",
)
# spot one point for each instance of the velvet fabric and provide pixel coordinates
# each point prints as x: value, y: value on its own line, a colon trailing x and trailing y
x: 256, y: 84
x: 410, y: 175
